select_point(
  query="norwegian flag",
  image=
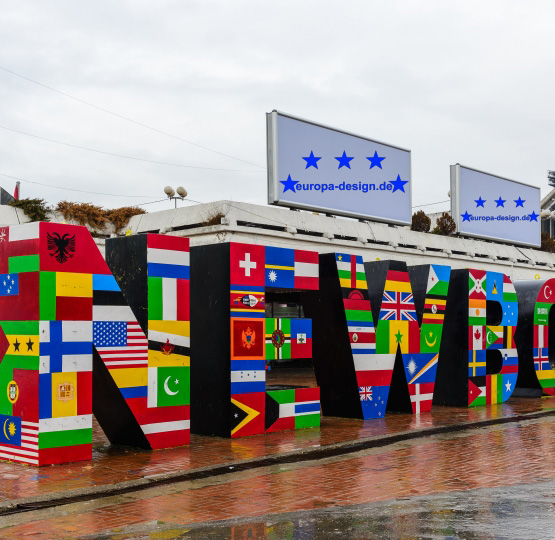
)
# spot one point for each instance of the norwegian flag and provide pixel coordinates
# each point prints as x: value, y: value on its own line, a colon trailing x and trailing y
x: 121, y: 344
x: 365, y: 393
x: 541, y: 350
x: 397, y: 306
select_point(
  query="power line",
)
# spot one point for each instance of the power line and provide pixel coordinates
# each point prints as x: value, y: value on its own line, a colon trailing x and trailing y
x: 72, y: 189
x: 430, y: 204
x: 121, y: 155
x: 128, y: 119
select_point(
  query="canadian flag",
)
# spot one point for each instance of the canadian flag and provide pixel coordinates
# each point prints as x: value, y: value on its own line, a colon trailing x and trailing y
x: 16, y: 192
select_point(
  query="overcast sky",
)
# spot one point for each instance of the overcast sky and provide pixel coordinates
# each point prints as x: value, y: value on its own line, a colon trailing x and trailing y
x: 460, y: 81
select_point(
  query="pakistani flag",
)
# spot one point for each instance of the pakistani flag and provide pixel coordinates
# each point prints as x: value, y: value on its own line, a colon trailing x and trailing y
x: 168, y: 386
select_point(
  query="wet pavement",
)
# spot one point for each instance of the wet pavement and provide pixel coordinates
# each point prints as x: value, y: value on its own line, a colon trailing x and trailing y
x: 337, y: 494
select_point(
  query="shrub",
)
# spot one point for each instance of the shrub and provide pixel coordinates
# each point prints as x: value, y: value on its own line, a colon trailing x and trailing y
x: 96, y: 216
x: 547, y: 243
x: 35, y: 209
x: 445, y: 225
x: 420, y: 222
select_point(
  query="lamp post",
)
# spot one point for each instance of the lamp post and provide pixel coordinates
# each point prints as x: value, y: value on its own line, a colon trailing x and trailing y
x: 181, y: 193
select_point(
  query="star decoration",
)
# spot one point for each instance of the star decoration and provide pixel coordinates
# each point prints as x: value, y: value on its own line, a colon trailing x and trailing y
x: 508, y: 386
x: 519, y: 202
x: 312, y: 160
x: 29, y: 345
x: 479, y: 202
x: 399, y: 336
x: 344, y: 161
x: 466, y: 216
x: 289, y: 184
x: 16, y: 345
x: 500, y: 202
x: 375, y: 160
x: 398, y: 184
x: 533, y: 216
x: 272, y: 275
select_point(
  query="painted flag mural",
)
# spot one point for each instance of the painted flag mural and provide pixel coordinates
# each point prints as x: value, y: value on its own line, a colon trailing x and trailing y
x: 59, y: 307
x: 542, y: 366
x: 46, y: 343
x: 256, y: 339
x: 485, y: 340
x: 375, y: 345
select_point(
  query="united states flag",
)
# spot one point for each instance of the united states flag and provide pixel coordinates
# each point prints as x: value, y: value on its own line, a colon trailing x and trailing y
x: 120, y: 344
x: 397, y: 306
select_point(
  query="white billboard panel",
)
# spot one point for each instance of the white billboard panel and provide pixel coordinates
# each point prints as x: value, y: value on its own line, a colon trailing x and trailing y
x: 319, y: 168
x: 492, y: 207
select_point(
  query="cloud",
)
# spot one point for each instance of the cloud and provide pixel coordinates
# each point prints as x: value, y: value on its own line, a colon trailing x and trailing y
x: 467, y: 82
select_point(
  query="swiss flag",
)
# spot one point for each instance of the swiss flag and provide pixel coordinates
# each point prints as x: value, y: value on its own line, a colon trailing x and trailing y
x: 246, y: 264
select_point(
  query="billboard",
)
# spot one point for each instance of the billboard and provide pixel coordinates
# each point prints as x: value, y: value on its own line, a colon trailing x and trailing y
x: 489, y: 206
x: 316, y: 167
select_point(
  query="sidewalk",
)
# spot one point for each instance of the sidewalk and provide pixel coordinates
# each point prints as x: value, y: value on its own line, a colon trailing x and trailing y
x: 113, y: 469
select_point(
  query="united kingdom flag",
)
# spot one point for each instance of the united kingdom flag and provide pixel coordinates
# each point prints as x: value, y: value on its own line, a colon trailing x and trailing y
x: 397, y: 306
x: 365, y: 393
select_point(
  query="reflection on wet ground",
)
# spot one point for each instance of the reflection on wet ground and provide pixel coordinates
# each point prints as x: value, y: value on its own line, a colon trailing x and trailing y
x: 522, y: 512
x: 456, y: 485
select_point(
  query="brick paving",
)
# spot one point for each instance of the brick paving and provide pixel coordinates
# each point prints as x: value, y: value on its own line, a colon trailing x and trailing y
x: 492, y: 457
x: 110, y: 465
x: 489, y: 457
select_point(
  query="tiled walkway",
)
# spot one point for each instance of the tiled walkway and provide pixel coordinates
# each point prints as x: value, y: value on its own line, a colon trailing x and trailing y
x: 498, y: 455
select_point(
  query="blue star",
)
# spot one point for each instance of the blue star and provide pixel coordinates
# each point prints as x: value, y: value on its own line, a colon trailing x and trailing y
x: 480, y: 202
x: 289, y: 184
x: 344, y: 161
x: 466, y: 216
x: 375, y: 160
x: 533, y: 216
x: 519, y: 202
x: 312, y: 160
x: 398, y: 184
x: 500, y: 202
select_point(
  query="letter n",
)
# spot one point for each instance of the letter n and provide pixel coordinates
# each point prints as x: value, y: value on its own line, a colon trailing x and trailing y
x: 59, y: 305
